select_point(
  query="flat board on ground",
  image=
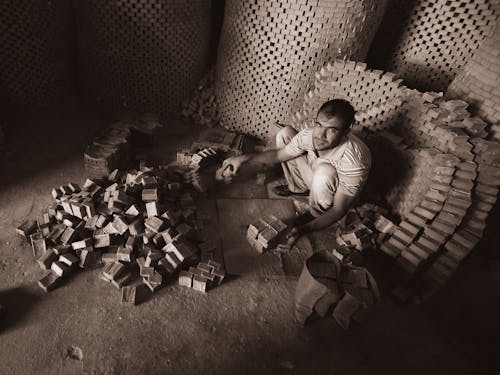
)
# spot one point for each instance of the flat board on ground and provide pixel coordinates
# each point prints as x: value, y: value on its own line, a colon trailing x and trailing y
x: 239, y: 257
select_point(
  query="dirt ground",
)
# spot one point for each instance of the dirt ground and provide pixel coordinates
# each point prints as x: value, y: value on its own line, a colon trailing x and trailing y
x: 244, y: 326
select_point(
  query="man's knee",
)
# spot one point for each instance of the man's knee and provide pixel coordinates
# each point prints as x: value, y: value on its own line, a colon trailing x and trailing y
x: 285, y: 135
x: 323, y: 187
x: 325, y: 173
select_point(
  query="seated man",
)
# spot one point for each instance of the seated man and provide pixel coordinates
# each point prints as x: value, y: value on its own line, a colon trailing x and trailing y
x: 326, y: 162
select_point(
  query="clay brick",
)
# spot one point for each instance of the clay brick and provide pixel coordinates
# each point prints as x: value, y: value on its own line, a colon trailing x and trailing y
x: 60, y: 269
x: 49, y: 282
x: 46, y: 259
x: 186, y: 279
x: 70, y: 259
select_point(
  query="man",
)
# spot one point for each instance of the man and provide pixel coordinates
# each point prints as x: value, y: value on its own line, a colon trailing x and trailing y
x: 326, y: 161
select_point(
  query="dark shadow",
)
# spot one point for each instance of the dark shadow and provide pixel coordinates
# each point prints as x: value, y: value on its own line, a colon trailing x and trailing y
x: 466, y: 312
x: 47, y: 139
x: 17, y: 303
x: 388, y: 35
x: 390, y: 167
x: 217, y: 22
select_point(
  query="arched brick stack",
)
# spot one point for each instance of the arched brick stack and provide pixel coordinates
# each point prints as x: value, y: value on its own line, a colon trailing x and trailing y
x: 438, y: 172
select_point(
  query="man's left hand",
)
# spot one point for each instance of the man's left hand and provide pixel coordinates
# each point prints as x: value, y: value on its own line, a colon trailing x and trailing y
x: 290, y: 240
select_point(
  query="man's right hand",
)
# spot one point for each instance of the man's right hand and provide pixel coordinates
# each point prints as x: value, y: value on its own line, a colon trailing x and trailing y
x: 230, y: 168
x: 231, y: 165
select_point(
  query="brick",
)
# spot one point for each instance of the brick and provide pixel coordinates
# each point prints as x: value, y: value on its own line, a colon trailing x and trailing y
x: 186, y: 279
x: 46, y: 259
x: 60, y: 269
x: 69, y: 259
x: 49, y: 282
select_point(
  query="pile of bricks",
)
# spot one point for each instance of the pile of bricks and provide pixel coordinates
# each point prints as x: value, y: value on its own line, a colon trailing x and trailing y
x: 202, y: 106
x: 137, y: 223
x: 110, y: 149
x: 268, y: 51
x: 203, y: 277
x: 428, y: 156
x: 478, y: 82
x: 433, y: 40
x: 265, y: 233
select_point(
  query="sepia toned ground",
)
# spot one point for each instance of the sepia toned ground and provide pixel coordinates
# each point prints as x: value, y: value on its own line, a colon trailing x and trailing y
x: 245, y: 326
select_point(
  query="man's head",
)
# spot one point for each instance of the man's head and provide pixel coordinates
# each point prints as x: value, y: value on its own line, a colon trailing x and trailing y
x: 333, y: 122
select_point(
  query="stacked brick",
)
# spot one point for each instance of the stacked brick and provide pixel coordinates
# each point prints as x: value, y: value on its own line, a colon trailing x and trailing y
x: 265, y: 233
x: 35, y: 58
x: 269, y: 51
x: 142, y: 55
x: 482, y: 200
x: 478, y: 82
x: 203, y: 277
x: 136, y: 223
x: 439, y: 175
x: 437, y: 39
x: 110, y: 149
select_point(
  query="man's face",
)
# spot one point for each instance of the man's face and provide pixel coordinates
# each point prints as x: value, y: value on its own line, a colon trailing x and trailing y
x: 328, y: 132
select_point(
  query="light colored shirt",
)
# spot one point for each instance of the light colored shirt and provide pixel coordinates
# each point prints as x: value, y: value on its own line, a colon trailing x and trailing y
x: 351, y: 158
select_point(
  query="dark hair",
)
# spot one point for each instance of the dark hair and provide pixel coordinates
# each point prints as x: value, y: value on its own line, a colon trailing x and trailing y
x: 340, y: 108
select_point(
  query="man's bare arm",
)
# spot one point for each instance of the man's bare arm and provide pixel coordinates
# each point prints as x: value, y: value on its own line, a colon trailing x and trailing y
x: 268, y: 157
x: 341, y: 204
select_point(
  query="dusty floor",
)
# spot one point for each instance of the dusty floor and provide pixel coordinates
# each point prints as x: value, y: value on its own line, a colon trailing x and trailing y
x: 244, y: 326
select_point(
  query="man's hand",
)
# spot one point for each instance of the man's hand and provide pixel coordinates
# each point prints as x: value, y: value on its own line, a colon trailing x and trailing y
x: 291, y: 238
x: 230, y: 168
x: 234, y: 163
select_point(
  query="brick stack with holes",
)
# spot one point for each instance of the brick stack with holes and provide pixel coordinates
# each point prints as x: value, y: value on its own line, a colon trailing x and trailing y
x: 478, y: 82
x: 265, y: 233
x: 3, y: 125
x: 137, y: 223
x: 149, y: 75
x: 438, y: 38
x: 262, y: 73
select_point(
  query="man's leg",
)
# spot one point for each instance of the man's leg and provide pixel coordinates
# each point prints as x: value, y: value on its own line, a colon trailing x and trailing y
x: 297, y: 171
x: 323, y: 188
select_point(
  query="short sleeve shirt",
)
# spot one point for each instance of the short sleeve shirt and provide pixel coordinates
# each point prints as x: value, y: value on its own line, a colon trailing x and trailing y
x: 351, y: 158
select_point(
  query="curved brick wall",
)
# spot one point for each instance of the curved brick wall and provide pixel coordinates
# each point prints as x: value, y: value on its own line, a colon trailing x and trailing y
x: 440, y: 176
x: 270, y: 50
x: 428, y: 42
x: 141, y: 55
x: 478, y: 83
x: 36, y: 67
